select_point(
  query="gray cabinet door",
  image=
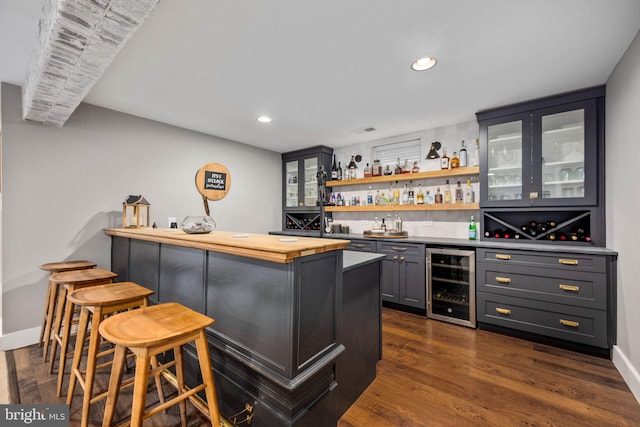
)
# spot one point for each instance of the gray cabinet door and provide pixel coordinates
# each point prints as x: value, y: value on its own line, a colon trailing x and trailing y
x: 412, y: 284
x: 403, y: 273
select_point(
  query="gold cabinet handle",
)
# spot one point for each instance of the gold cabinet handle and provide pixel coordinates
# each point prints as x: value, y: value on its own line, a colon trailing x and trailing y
x: 395, y: 258
x: 396, y: 248
x: 503, y: 280
x: 401, y: 258
x: 571, y: 288
x: 504, y: 257
x: 503, y: 310
x: 358, y: 245
x: 568, y: 261
x: 569, y: 323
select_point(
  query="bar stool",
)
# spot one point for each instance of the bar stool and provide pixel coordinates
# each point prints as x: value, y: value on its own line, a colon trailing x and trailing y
x: 70, y: 281
x: 146, y: 332
x: 52, y: 294
x: 98, y: 302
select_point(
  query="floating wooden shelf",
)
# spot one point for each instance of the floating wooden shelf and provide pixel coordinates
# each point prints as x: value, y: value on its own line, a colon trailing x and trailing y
x: 471, y: 170
x: 434, y: 207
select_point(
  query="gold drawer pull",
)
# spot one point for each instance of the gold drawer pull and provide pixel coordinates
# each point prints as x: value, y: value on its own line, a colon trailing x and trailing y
x: 571, y: 288
x: 504, y: 257
x: 358, y: 245
x: 568, y: 261
x: 396, y: 248
x: 503, y: 280
x: 503, y: 310
x: 569, y: 323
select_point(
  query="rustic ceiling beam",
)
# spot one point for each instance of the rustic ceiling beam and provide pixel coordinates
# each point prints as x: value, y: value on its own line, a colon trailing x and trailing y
x: 77, y: 40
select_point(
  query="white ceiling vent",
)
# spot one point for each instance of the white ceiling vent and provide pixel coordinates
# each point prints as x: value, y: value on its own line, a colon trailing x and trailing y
x: 363, y: 130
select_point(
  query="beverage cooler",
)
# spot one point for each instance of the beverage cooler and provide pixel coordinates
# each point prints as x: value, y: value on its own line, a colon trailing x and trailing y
x: 451, y: 286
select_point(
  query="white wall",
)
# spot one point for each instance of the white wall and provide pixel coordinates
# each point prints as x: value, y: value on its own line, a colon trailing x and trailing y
x: 623, y: 206
x: 62, y: 186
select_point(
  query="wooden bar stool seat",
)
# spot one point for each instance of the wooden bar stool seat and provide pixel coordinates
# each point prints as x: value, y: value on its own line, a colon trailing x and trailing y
x: 147, y: 332
x: 51, y: 298
x: 69, y: 282
x: 98, y: 302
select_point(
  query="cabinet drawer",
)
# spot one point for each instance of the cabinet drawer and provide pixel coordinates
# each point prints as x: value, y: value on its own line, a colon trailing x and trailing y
x: 569, y: 323
x: 404, y: 249
x: 555, y: 260
x: 564, y: 287
x: 362, y: 245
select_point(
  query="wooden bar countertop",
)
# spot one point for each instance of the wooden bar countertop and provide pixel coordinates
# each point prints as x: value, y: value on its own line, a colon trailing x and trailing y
x: 281, y: 249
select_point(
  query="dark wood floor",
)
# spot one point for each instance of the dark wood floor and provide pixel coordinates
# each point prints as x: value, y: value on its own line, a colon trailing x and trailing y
x: 437, y: 374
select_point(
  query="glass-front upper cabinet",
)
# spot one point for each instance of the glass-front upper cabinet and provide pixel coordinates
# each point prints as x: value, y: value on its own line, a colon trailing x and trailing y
x: 505, y: 172
x: 541, y: 157
x: 300, y: 174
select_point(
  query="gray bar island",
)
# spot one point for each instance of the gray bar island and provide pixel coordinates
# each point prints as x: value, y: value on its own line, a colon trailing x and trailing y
x: 277, y: 343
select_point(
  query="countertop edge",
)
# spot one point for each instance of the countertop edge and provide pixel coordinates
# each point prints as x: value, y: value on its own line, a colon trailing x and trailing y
x: 354, y: 259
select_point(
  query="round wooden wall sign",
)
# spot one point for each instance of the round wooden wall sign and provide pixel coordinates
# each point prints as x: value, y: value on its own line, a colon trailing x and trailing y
x: 213, y: 181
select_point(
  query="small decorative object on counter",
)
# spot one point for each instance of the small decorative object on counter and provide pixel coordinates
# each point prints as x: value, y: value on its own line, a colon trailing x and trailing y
x: 198, y: 224
x: 473, y: 232
x: 135, y: 212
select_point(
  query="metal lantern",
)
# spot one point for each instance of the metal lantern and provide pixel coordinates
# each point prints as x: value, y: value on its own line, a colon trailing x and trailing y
x: 135, y: 212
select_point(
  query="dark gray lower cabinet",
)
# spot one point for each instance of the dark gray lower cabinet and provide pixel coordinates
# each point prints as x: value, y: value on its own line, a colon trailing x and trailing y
x: 560, y: 295
x: 403, y: 273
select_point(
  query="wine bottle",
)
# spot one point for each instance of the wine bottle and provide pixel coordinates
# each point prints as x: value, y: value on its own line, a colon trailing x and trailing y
x: 334, y: 168
x: 339, y: 171
x: 488, y: 233
x: 463, y: 157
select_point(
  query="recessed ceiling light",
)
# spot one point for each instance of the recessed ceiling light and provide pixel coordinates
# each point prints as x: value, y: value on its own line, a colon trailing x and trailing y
x: 424, y: 63
x: 264, y: 119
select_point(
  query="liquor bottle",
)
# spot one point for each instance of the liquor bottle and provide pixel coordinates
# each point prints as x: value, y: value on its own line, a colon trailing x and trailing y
x: 396, y: 194
x: 383, y: 226
x: 377, y: 200
x: 415, y: 168
x: 334, y: 168
x: 444, y: 160
x: 405, y: 167
x: 405, y: 195
x: 411, y: 195
x: 339, y: 171
x: 447, y: 193
x: 463, y: 156
x: 376, y: 169
x: 473, y: 232
x: 454, y: 162
x: 367, y: 171
x: 438, y: 196
x: 398, y: 169
x: 387, y: 171
x: 459, y: 193
x: 420, y: 195
x: 469, y: 194
x: 428, y: 198
x: 369, y: 197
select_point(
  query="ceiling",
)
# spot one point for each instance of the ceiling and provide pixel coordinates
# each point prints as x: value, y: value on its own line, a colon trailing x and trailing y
x: 325, y: 70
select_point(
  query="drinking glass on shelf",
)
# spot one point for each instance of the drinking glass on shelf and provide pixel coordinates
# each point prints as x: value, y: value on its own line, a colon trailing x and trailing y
x: 568, y: 192
x: 578, y: 173
x: 565, y: 174
x: 580, y: 191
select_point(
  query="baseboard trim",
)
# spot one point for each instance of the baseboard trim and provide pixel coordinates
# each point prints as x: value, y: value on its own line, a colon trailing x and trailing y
x: 19, y: 339
x: 627, y: 370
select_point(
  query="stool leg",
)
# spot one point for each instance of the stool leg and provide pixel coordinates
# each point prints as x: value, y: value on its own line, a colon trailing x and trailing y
x: 158, y: 377
x: 64, y: 347
x: 47, y: 309
x: 177, y: 354
x: 62, y: 298
x: 51, y: 310
x: 207, y: 377
x: 140, y: 387
x: 77, y: 353
x: 114, y: 385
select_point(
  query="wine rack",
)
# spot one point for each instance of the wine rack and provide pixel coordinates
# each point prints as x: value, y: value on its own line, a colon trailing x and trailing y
x: 303, y: 221
x: 541, y: 226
